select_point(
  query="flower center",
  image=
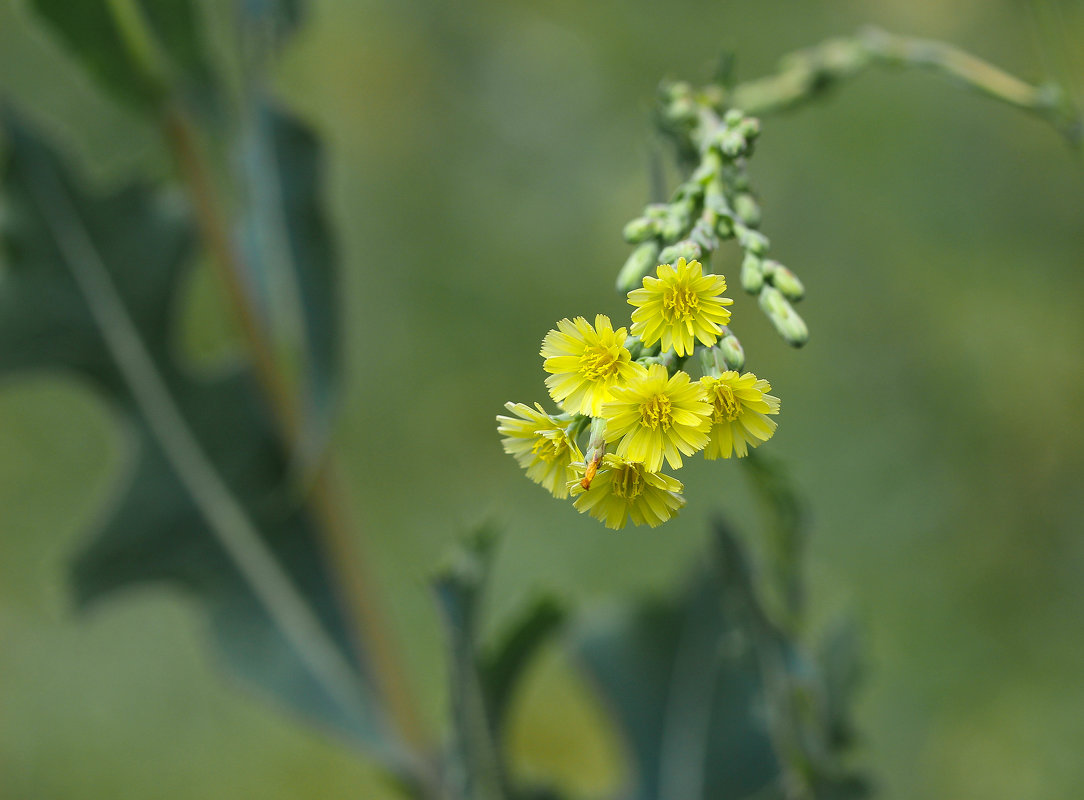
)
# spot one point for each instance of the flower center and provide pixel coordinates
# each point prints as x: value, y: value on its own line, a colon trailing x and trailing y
x: 727, y: 406
x: 598, y: 362
x: 627, y: 483
x: 656, y: 412
x: 549, y: 449
x: 680, y: 304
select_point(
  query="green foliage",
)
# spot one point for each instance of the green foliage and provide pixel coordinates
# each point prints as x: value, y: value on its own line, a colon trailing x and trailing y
x: 112, y: 38
x: 715, y: 699
x: 712, y: 685
x: 483, y: 680
x: 290, y: 258
x: 90, y: 289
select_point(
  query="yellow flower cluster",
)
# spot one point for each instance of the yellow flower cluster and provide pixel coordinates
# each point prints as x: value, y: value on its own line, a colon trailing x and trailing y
x: 628, y: 392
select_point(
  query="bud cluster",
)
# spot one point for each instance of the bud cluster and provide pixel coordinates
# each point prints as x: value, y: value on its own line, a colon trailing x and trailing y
x: 714, y: 204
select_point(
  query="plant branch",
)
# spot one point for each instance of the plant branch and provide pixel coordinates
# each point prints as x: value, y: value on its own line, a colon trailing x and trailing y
x: 808, y: 73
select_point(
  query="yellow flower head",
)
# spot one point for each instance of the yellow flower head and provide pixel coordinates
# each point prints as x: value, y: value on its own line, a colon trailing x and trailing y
x: 585, y: 363
x: 541, y: 445
x: 739, y: 406
x: 655, y: 416
x: 680, y: 305
x: 625, y: 489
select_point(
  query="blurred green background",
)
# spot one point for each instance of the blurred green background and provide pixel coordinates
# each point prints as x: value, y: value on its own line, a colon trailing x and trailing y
x: 482, y: 160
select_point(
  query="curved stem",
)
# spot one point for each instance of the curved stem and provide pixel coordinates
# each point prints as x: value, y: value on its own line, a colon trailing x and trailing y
x: 809, y: 73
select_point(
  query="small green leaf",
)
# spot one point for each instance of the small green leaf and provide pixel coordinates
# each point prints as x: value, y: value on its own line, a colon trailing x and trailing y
x: 90, y: 289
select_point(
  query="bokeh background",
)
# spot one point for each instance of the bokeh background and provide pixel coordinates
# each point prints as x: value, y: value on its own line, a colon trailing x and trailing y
x: 482, y: 160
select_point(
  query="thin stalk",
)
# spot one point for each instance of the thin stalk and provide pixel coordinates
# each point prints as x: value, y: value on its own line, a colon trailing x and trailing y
x: 809, y: 73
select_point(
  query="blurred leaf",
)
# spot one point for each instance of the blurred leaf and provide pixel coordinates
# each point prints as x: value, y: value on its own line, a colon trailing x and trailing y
x: 784, y: 529
x: 684, y: 684
x: 291, y: 257
x: 165, y: 43
x: 477, y: 768
x: 483, y: 683
x: 503, y: 667
x: 716, y: 701
x: 90, y: 288
x: 840, y: 657
x: 274, y: 19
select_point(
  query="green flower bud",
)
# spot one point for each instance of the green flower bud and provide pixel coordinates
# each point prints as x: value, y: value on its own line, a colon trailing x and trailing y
x: 639, y: 230
x: 690, y: 251
x: 673, y: 227
x: 783, y: 316
x: 750, y: 128
x: 752, y: 273
x: 733, y: 144
x: 752, y: 241
x: 747, y: 208
x: 733, y: 118
x: 703, y: 235
x: 731, y: 351
x: 784, y: 280
x: 680, y: 110
x: 724, y: 227
x: 676, y: 90
x: 637, y: 265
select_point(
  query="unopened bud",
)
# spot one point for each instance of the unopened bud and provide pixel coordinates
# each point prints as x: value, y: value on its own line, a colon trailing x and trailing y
x: 783, y: 316
x: 673, y: 227
x: 733, y: 118
x: 639, y: 230
x: 724, y: 227
x: 732, y: 144
x: 690, y: 251
x: 682, y: 109
x: 703, y: 235
x: 642, y: 260
x: 752, y: 241
x: 750, y: 128
x: 747, y: 208
x: 731, y: 350
x: 784, y: 280
x: 752, y: 273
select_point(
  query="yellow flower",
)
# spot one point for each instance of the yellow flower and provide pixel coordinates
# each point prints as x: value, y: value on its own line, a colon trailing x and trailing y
x: 656, y: 417
x: 625, y: 489
x: 680, y: 305
x: 739, y: 406
x: 585, y: 363
x: 541, y: 445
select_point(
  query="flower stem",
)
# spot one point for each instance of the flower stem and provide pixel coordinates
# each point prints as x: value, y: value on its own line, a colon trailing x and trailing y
x: 809, y: 73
